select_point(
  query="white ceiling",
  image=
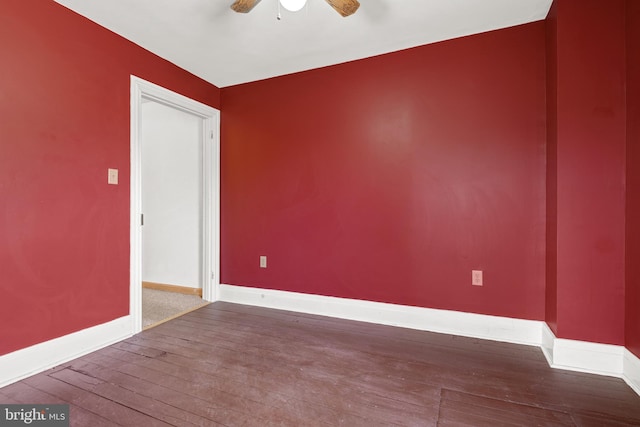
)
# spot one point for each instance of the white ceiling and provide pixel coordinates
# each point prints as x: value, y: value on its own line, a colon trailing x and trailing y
x: 226, y: 48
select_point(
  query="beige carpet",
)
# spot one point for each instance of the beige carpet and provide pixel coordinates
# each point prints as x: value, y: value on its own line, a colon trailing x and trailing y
x: 160, y: 306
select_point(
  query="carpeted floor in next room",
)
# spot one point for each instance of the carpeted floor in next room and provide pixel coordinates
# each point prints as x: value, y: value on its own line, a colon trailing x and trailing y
x: 160, y: 306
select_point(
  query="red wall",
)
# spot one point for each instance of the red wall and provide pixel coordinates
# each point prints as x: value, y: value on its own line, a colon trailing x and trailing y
x: 590, y: 156
x: 632, y: 338
x: 391, y: 178
x: 551, y: 271
x: 64, y: 109
x: 386, y: 179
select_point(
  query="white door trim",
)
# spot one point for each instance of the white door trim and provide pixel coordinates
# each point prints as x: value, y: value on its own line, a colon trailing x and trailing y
x: 211, y: 198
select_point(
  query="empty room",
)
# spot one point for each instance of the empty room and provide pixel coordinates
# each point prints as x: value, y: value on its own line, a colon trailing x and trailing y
x: 320, y: 212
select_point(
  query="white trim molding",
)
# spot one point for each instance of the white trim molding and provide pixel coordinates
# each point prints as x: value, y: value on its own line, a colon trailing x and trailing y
x: 142, y: 90
x: 601, y: 359
x: 494, y: 328
x: 548, y: 339
x: 580, y: 356
x: 631, y: 370
x: 40, y: 357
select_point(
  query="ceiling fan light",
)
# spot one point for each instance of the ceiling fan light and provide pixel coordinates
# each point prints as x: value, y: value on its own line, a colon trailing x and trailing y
x: 293, y: 5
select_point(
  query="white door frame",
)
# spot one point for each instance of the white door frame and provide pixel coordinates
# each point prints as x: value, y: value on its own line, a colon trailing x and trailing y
x: 211, y: 190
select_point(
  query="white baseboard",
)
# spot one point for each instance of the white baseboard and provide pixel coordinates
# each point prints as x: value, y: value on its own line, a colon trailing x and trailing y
x: 494, y: 328
x: 632, y: 370
x: 581, y: 356
x: 40, y: 357
x: 548, y: 339
x: 602, y: 359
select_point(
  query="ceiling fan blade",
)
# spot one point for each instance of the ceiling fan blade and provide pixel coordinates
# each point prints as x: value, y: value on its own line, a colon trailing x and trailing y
x: 344, y: 7
x: 244, y: 6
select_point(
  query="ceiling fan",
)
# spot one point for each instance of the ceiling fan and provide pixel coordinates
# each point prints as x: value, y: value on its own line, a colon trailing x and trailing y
x: 343, y: 7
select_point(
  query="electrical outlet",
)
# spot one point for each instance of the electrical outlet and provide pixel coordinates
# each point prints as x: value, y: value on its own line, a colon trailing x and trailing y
x: 263, y: 261
x: 476, y: 277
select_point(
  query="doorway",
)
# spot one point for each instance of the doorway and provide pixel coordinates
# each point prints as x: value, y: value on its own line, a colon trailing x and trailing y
x: 194, y: 255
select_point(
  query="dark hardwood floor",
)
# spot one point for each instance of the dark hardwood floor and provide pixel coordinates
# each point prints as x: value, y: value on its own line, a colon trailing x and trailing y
x: 228, y: 364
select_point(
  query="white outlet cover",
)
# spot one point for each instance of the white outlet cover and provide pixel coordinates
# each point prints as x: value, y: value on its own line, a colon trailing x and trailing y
x: 263, y: 261
x: 476, y: 277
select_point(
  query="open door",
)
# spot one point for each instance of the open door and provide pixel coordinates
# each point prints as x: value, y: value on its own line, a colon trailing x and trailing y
x: 197, y: 250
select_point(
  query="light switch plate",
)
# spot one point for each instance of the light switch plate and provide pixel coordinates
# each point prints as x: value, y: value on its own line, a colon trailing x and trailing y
x: 113, y: 177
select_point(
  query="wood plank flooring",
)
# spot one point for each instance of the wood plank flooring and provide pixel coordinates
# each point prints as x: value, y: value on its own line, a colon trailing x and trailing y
x: 234, y: 365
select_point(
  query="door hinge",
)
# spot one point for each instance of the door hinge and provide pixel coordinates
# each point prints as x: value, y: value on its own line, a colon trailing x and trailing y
x: 211, y: 136
x: 141, y: 219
